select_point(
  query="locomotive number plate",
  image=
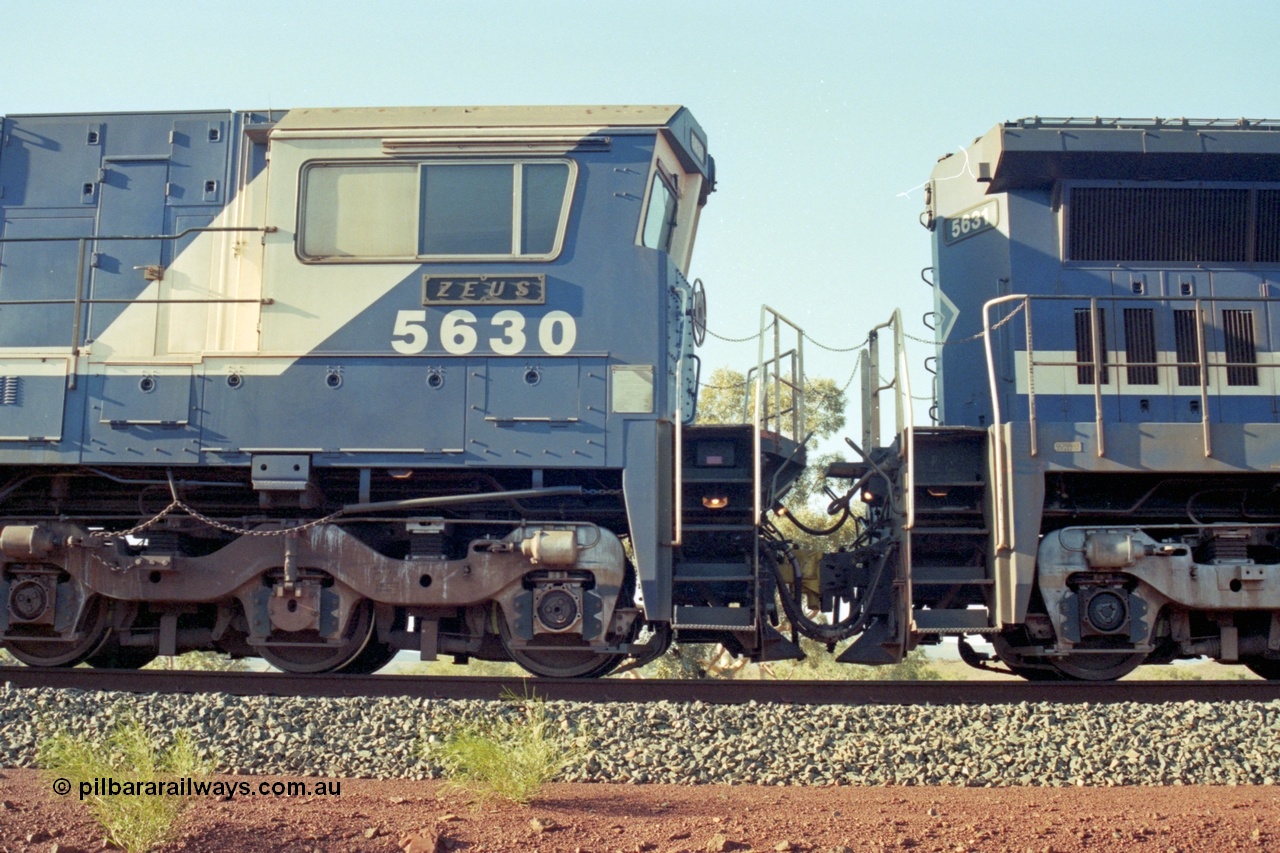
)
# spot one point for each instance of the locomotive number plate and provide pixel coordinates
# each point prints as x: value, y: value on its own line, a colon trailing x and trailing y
x: 484, y: 290
x: 975, y: 220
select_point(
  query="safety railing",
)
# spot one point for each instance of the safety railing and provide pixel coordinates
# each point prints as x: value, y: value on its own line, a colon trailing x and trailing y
x: 85, y: 260
x: 1201, y: 373
x: 775, y: 400
x: 873, y: 384
x: 775, y: 393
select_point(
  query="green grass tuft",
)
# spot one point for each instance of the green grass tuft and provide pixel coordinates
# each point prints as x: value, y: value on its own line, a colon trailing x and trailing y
x: 127, y: 754
x: 510, y: 757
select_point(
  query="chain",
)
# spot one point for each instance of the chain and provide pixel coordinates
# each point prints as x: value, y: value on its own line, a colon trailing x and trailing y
x: 230, y: 528
x: 735, y: 340
x: 155, y: 519
x: 734, y: 387
x: 856, y: 346
x: 853, y: 373
x: 107, y: 535
x: 212, y: 522
x: 817, y: 344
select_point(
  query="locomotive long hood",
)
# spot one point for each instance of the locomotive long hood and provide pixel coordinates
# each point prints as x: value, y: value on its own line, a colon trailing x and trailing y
x: 1037, y: 152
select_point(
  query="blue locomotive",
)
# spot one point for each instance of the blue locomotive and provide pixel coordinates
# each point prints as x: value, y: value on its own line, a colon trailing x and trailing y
x: 320, y: 386
x: 1101, y: 485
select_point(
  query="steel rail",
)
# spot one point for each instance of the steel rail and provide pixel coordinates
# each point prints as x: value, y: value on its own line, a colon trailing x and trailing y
x: 711, y: 691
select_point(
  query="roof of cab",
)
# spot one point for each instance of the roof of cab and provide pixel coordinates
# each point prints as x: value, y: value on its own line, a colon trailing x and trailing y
x: 376, y: 118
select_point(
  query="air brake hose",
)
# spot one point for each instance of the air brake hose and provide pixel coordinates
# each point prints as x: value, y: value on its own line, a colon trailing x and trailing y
x: 800, y: 525
x: 795, y: 613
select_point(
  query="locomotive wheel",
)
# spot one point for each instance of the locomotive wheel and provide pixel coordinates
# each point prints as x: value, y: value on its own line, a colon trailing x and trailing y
x: 575, y: 661
x: 113, y: 655
x: 1264, y: 668
x: 1031, y: 669
x: 1098, y: 667
x: 1031, y: 673
x: 376, y: 654
x: 94, y: 629
x: 321, y: 658
x: 374, y: 657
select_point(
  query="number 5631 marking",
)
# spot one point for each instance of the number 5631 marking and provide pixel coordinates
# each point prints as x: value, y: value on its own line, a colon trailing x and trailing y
x: 460, y: 332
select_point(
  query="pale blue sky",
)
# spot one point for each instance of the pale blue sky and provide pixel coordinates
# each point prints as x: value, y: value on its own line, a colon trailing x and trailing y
x: 822, y: 116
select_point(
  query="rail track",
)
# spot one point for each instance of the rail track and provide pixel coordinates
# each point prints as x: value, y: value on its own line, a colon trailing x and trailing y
x: 720, y: 692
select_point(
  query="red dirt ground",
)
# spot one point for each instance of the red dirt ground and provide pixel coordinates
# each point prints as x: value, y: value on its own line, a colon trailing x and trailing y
x: 424, y: 817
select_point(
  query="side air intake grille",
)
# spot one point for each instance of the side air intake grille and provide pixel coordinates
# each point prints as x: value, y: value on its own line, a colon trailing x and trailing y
x: 1237, y: 334
x: 1165, y: 225
x: 1084, y: 347
x: 1186, y: 340
x: 1140, y: 346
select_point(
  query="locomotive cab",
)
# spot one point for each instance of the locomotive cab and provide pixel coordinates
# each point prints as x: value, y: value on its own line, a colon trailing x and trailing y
x: 322, y: 385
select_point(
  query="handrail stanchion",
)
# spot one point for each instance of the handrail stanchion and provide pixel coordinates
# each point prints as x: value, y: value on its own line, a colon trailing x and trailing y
x: 1203, y: 355
x: 75, y: 322
x: 1031, y: 379
x: 904, y: 424
x: 1096, y: 337
x: 997, y: 428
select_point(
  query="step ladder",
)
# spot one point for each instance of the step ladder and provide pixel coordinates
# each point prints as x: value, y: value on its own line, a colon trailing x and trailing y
x: 722, y: 583
x: 949, y: 574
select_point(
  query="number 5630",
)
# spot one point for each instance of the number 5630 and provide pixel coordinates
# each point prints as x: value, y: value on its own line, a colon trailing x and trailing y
x: 460, y: 332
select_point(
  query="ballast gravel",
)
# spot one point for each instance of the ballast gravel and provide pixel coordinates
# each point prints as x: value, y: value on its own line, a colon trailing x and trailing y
x: 1190, y: 743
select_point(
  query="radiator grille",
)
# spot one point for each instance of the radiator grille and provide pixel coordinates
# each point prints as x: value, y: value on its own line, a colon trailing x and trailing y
x: 1140, y: 346
x: 1084, y: 346
x: 1268, y: 232
x: 1187, y: 343
x: 1238, y: 341
x: 1157, y: 224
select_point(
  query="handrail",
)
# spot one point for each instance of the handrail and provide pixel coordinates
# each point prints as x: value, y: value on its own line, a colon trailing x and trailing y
x: 998, y: 460
x: 1104, y: 359
x: 677, y: 415
x: 905, y: 429
x: 1095, y: 336
x: 770, y: 372
x: 1031, y: 382
x: 872, y: 386
x: 265, y: 229
x: 80, y: 299
x: 1203, y: 354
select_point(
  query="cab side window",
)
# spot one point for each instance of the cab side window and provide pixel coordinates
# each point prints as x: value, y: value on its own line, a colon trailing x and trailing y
x: 660, y: 217
x: 412, y: 211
